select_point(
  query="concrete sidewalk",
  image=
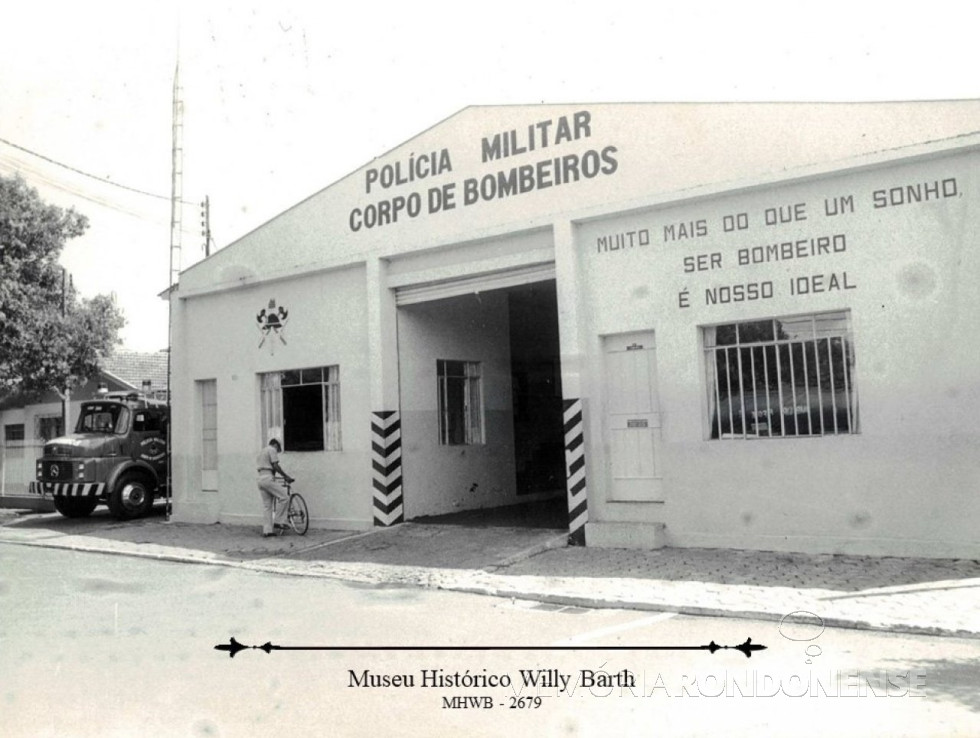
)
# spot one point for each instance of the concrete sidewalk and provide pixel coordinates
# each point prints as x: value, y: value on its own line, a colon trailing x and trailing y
x: 923, y: 596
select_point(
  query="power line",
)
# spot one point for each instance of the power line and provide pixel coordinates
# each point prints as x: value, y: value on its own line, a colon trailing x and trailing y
x: 17, y: 166
x: 86, y: 174
x: 73, y: 190
x: 47, y: 180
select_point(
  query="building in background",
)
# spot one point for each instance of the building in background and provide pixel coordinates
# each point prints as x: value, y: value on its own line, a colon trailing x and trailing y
x: 145, y: 371
x: 28, y: 423
x: 741, y: 325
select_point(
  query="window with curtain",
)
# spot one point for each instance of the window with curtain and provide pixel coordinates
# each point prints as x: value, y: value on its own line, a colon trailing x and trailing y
x: 460, y: 402
x: 301, y: 407
x: 781, y: 377
x: 47, y: 427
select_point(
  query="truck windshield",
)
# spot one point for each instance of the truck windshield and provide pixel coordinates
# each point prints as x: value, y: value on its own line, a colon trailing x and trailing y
x: 103, y: 418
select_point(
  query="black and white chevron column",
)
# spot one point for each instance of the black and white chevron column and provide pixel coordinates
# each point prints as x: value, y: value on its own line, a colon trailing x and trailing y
x: 386, y: 462
x: 578, y: 504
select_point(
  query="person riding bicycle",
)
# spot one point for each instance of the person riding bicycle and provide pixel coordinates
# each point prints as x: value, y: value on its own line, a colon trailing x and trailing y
x: 270, y: 489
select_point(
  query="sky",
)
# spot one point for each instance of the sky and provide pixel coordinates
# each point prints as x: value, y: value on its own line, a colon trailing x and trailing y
x: 282, y: 99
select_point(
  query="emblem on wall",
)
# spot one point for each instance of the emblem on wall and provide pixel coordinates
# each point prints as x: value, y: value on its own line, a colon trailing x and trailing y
x: 272, y: 324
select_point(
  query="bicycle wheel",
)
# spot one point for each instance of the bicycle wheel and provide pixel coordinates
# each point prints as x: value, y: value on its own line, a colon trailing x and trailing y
x: 299, y: 518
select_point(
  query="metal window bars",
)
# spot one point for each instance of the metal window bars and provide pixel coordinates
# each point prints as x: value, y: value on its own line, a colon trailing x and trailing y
x: 781, y: 377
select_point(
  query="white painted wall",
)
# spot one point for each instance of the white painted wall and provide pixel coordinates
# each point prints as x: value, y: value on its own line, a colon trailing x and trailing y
x: 18, y: 458
x: 220, y: 339
x: 439, y: 479
x: 907, y: 483
x: 903, y: 485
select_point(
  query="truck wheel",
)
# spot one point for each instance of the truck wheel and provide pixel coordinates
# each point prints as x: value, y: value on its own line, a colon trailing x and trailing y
x: 75, y: 507
x: 131, y: 498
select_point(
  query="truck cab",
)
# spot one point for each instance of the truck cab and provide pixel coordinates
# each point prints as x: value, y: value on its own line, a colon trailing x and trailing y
x: 117, y: 455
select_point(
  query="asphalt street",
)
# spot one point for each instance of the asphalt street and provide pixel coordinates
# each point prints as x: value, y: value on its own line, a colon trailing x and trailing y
x: 902, y: 595
x: 96, y: 644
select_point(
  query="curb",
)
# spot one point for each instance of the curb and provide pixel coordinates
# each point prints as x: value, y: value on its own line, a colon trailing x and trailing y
x: 468, y: 582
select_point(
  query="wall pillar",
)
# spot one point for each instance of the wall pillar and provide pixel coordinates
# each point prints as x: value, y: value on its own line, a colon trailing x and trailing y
x: 571, y: 340
x: 386, y: 466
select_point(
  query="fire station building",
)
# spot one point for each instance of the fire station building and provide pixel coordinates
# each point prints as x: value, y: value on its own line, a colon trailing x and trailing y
x: 733, y: 326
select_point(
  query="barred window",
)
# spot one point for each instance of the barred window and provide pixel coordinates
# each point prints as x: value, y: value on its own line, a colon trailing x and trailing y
x: 781, y: 377
x: 302, y: 408
x: 460, y: 403
x: 13, y: 432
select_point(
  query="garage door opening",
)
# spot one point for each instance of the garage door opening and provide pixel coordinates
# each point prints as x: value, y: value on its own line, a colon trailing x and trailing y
x: 536, y: 385
x: 481, y: 406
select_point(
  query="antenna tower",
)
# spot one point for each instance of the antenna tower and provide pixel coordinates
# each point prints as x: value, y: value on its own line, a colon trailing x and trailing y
x: 176, y: 198
x: 177, y: 180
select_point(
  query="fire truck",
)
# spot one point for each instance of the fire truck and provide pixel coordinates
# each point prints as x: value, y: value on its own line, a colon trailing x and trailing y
x: 116, y: 456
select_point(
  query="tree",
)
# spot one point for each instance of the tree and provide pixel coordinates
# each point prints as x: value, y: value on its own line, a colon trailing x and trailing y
x: 50, y: 339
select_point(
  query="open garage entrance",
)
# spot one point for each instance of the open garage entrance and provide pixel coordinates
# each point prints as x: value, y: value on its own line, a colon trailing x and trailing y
x: 481, y: 407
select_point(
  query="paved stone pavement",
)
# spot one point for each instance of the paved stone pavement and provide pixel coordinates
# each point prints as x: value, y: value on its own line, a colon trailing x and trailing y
x: 925, y: 596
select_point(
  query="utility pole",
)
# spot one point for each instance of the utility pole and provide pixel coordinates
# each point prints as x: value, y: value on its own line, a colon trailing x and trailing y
x: 66, y: 282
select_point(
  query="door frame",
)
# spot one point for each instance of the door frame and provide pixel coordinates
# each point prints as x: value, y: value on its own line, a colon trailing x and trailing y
x: 650, y: 418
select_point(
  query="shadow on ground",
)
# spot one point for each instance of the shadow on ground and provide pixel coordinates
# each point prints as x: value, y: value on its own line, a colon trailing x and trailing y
x: 948, y: 679
x: 231, y: 542
x: 460, y: 542
x: 521, y: 540
x: 549, y: 514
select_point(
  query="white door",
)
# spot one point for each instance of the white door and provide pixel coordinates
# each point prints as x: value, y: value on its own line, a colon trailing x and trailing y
x: 633, y: 417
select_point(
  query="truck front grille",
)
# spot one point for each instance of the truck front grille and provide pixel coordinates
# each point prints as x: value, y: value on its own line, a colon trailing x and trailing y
x: 56, y: 471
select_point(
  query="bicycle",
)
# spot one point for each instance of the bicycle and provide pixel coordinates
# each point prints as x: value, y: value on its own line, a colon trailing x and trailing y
x: 297, y: 514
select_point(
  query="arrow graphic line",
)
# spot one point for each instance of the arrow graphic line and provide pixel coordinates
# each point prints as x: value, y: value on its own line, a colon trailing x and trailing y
x: 233, y: 647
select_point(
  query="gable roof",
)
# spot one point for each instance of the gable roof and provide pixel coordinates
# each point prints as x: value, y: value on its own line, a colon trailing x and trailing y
x: 462, y: 180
